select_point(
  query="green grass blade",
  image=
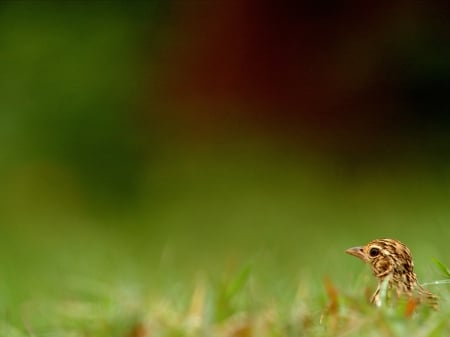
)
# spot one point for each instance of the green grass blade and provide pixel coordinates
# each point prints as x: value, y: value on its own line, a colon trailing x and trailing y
x: 239, y: 282
x: 442, y: 267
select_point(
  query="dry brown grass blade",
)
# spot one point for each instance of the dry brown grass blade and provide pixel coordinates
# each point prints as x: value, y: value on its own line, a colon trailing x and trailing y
x: 333, y: 296
x: 236, y: 326
x: 139, y: 330
x: 410, y: 307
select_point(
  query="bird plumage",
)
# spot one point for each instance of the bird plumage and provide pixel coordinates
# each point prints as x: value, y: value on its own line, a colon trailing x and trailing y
x: 391, y: 262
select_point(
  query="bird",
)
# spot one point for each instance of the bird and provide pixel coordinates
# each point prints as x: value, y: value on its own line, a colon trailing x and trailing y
x: 392, y: 264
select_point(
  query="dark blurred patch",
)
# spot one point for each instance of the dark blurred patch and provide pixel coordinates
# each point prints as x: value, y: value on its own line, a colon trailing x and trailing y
x: 360, y: 82
x: 69, y: 94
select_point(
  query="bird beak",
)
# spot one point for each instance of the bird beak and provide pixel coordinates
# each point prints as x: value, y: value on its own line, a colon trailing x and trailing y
x: 356, y: 251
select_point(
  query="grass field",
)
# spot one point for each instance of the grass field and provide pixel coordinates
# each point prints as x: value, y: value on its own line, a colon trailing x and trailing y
x: 242, y: 299
x: 237, y: 251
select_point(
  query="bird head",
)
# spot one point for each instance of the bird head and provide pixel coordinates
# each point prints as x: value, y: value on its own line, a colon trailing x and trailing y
x: 385, y: 257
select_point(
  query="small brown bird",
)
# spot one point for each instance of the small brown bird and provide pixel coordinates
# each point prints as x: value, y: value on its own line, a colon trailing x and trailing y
x: 391, y: 262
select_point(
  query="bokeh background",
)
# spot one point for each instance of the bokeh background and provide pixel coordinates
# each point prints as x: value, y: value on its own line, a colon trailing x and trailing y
x: 149, y: 140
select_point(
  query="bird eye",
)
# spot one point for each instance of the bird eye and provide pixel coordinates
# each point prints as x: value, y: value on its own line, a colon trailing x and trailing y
x: 374, y: 252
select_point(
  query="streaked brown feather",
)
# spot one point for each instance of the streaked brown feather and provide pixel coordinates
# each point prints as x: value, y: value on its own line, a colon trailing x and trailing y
x: 391, y: 260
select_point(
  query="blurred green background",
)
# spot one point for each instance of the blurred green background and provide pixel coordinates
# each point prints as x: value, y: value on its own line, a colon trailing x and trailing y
x: 141, y: 141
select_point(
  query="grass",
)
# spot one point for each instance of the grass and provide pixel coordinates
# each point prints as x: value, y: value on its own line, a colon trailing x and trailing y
x: 232, y: 252
x: 239, y: 301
